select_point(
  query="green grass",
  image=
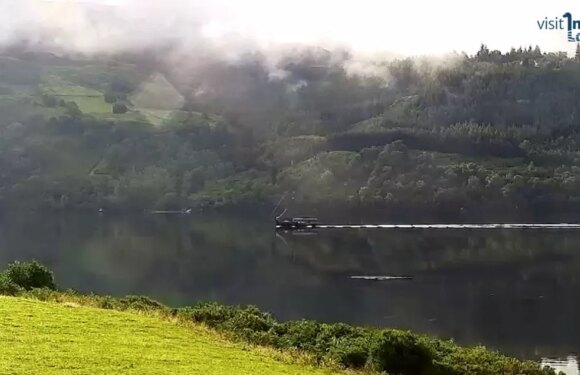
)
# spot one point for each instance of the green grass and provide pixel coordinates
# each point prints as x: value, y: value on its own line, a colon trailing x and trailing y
x: 49, y: 338
x: 92, y: 104
x: 157, y: 93
x: 88, y: 99
x: 55, y: 85
x: 97, y: 75
x: 131, y: 115
x: 66, y: 89
x: 157, y: 117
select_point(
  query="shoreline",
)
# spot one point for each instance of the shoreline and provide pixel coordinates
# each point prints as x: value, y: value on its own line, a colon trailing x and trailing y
x: 341, y: 345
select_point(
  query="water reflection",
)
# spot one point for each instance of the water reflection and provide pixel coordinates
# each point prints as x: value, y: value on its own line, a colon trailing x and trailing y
x: 568, y: 366
x: 514, y: 290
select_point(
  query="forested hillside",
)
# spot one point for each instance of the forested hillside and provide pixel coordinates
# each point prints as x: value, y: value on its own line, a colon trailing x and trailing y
x: 486, y: 132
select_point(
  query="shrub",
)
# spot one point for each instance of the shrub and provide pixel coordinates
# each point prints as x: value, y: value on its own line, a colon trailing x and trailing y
x: 301, y: 334
x: 8, y: 287
x: 140, y: 303
x: 389, y: 351
x: 250, y: 318
x: 43, y: 294
x: 330, y: 334
x: 480, y: 360
x: 211, y: 314
x: 107, y: 302
x: 49, y: 100
x: 350, y: 352
x: 399, y: 352
x: 72, y: 109
x: 230, y: 318
x: 29, y: 275
x: 119, y: 108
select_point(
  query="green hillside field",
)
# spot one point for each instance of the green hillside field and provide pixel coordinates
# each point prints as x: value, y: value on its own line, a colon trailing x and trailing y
x: 49, y: 338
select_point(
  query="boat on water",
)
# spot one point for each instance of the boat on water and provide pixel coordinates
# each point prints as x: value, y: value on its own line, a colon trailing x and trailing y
x: 296, y: 223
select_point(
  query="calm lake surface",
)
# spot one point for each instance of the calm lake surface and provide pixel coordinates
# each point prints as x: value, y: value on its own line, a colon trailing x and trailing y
x: 514, y: 290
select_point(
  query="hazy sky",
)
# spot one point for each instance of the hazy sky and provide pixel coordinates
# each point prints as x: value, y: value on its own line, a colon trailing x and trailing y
x: 404, y: 27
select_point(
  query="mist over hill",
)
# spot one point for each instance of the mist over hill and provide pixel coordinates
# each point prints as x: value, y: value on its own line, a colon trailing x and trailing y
x: 162, y: 129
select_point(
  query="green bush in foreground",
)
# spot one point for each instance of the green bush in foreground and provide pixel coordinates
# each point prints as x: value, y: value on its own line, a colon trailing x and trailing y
x: 7, y: 286
x: 385, y: 350
x: 27, y: 276
x: 395, y: 352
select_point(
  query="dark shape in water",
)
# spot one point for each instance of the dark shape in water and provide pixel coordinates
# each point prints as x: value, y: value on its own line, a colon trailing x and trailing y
x: 166, y: 212
x: 382, y: 278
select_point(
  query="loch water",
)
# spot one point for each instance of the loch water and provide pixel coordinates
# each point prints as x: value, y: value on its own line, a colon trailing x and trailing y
x: 515, y: 290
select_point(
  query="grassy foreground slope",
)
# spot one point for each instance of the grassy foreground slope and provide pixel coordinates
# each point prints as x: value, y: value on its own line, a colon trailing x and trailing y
x: 48, y: 338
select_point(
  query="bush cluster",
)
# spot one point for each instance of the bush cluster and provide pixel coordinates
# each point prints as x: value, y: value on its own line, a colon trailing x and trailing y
x: 384, y: 350
x: 20, y: 276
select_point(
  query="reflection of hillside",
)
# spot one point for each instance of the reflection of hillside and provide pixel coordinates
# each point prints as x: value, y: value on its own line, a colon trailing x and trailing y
x: 433, y: 252
x: 477, y: 287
